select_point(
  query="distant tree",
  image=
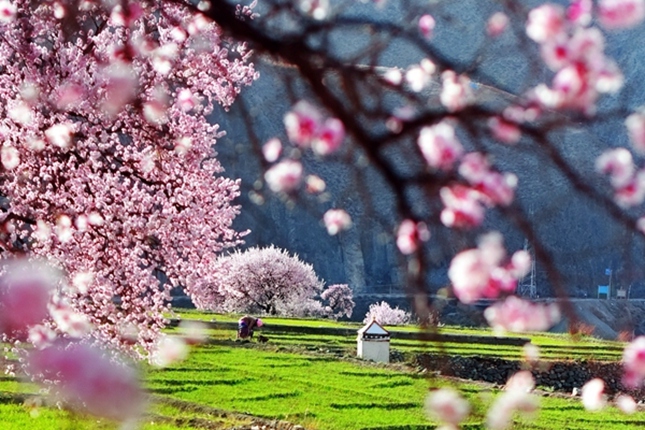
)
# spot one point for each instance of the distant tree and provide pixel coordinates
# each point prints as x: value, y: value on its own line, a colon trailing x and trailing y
x: 384, y: 314
x: 265, y: 280
x: 338, y: 301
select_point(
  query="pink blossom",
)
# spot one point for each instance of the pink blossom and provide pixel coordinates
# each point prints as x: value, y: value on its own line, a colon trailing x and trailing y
x: 120, y: 82
x: 419, y: 76
x: 284, y: 176
x: 315, y: 184
x: 462, y: 207
x: 186, y: 100
x: 409, y: 234
x: 302, y: 123
x: 447, y: 406
x: 88, y: 380
x: 531, y: 352
x: 336, y: 220
x: 329, y: 137
x: 263, y: 280
x: 481, y: 272
x: 69, y: 96
x: 579, y: 12
x: 68, y: 320
x: 635, y: 124
x: 194, y: 332
x: 455, y: 91
x: 21, y: 113
x: 626, y: 404
x: 169, y: 350
x: 440, y: 146
x: 317, y: 9
x: 183, y: 145
x: 272, y: 150
x: 616, y: 14
x: 634, y: 360
x: 632, y: 193
x: 59, y: 135
x: 593, y: 397
x: 618, y: 164
x: 10, y: 157
x: 504, y: 131
x: 517, y: 315
x: 517, y: 397
x: 496, y: 24
x: 7, y: 11
x: 384, y: 314
x: 25, y: 291
x: 426, y: 26
x: 498, y: 188
x: 546, y: 22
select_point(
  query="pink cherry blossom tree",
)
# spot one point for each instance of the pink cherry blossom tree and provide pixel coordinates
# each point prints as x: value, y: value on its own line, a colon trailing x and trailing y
x: 385, y: 314
x: 107, y: 163
x: 263, y: 280
x: 337, y: 300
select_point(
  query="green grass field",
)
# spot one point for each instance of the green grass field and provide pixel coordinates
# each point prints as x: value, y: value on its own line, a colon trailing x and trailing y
x: 314, y: 381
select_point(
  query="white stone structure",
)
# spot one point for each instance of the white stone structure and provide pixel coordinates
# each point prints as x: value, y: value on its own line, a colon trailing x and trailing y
x: 374, y: 343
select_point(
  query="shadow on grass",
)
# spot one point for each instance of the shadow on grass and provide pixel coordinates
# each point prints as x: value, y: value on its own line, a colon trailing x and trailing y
x: 200, y: 382
x: 372, y: 405
x: 392, y: 384
x: 272, y: 396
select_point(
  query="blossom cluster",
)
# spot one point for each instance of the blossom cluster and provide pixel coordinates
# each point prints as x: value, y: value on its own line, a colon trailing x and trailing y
x: 385, y: 314
x: 107, y: 158
x: 485, y: 271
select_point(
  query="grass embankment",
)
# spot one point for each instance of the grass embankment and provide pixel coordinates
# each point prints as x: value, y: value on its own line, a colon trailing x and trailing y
x: 552, y: 346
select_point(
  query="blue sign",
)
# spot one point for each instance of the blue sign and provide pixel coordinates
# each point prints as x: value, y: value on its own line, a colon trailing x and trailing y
x: 608, y: 272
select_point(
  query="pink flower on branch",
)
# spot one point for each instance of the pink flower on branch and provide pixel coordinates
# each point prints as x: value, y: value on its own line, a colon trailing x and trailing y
x: 409, y: 236
x: 485, y: 272
x: 284, y: 176
x: 545, y: 23
x: 440, y: 146
x: 336, y: 220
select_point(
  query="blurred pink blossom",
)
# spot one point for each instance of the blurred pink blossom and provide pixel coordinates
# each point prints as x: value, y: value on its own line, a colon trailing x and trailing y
x: 635, y: 124
x: 616, y: 14
x: 504, y: 131
x: 169, y: 350
x: 329, y: 137
x: 272, y: 150
x: 626, y: 404
x: 579, y: 12
x: 7, y: 11
x: 336, y: 220
x: 447, y: 406
x: 409, y: 235
x: 302, y: 123
x: 517, y: 397
x: 440, y: 146
x: 546, y: 22
x: 517, y: 315
x: 88, y: 380
x: 462, y: 207
x: 426, y: 26
x: 497, y: 24
x: 618, y: 164
x: 634, y: 361
x: 25, y: 291
x: 284, y: 176
x: 455, y: 91
x: 593, y: 397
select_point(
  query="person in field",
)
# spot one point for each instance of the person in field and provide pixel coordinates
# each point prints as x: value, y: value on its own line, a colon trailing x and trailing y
x: 245, y: 326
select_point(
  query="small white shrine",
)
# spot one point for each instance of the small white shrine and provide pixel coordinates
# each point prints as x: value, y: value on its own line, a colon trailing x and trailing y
x: 373, y: 343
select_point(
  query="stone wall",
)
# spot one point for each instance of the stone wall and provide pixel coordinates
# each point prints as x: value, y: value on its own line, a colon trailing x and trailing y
x: 561, y: 376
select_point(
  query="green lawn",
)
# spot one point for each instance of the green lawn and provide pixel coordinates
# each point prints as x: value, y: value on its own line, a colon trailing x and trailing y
x: 315, y: 381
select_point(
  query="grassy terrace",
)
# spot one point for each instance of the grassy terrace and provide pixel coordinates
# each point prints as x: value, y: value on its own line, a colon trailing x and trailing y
x: 315, y: 381
x: 552, y: 346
